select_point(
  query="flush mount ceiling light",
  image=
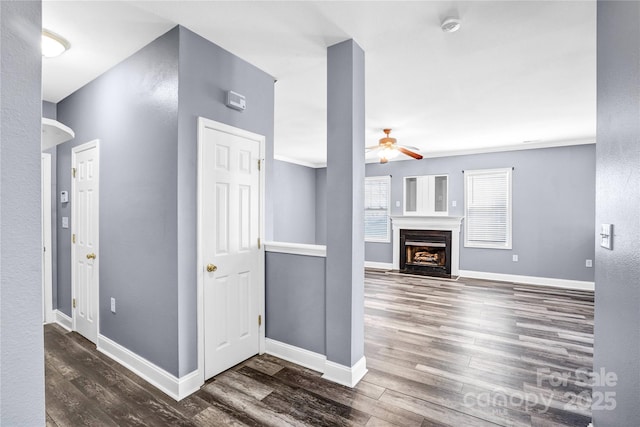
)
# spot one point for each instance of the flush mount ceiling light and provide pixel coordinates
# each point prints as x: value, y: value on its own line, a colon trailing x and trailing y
x: 53, y: 45
x: 450, y: 25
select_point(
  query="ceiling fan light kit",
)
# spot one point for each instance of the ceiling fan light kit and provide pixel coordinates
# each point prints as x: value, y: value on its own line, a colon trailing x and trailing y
x: 388, y: 148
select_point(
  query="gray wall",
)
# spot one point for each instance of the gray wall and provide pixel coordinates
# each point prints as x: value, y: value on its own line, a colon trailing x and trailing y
x: 345, y: 204
x: 321, y: 206
x: 133, y: 110
x: 144, y: 111
x: 617, y: 311
x: 22, y: 400
x: 295, y: 306
x: 206, y: 73
x: 294, y: 203
x: 553, y: 209
x: 50, y: 111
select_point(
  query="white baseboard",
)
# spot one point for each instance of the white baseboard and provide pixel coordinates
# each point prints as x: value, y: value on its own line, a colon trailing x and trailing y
x: 63, y: 320
x: 378, y: 265
x: 349, y: 376
x: 176, y: 388
x: 345, y: 375
x: 530, y: 280
x: 297, y: 355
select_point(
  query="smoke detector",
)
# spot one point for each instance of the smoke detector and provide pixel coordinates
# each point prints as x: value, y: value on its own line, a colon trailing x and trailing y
x: 450, y: 25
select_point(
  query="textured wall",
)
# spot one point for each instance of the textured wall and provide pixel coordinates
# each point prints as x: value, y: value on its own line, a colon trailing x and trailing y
x: 295, y: 307
x: 617, y: 314
x: 294, y: 203
x: 553, y: 209
x: 21, y: 342
x: 206, y: 72
x: 133, y: 110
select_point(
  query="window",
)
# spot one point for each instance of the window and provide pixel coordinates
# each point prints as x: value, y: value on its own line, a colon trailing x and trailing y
x: 376, y: 209
x: 487, y: 206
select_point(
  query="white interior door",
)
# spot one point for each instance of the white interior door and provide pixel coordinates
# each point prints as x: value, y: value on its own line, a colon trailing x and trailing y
x: 84, y: 229
x: 230, y: 222
x: 47, y: 272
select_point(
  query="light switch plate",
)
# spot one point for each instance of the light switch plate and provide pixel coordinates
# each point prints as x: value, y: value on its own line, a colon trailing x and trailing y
x: 65, y: 222
x: 515, y: 258
x: 113, y: 305
x: 454, y: 203
x: 606, y: 236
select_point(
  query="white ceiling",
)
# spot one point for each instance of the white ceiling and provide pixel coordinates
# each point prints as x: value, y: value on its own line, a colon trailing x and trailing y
x: 516, y: 70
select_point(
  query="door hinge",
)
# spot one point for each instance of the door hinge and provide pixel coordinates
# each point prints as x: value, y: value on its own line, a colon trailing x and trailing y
x: 73, y: 170
x: 259, y: 243
x: 73, y: 238
x: 259, y: 319
x: 259, y: 163
x: 74, y: 303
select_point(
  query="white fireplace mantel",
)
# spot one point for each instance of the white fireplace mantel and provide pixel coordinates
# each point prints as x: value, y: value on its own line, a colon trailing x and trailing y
x: 445, y: 223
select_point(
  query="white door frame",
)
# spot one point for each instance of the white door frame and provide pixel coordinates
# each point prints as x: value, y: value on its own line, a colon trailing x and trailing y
x: 203, y: 124
x: 47, y: 254
x: 88, y: 145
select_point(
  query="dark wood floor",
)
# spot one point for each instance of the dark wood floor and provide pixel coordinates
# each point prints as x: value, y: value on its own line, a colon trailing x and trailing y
x: 439, y: 353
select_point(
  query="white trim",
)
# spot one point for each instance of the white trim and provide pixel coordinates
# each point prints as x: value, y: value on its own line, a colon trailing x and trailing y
x: 47, y: 254
x: 345, y: 375
x: 530, y: 280
x: 204, y: 123
x: 63, y: 320
x: 334, y: 372
x: 297, y: 355
x: 378, y: 265
x: 176, y: 388
x: 299, y: 162
x: 296, y: 249
x: 446, y: 223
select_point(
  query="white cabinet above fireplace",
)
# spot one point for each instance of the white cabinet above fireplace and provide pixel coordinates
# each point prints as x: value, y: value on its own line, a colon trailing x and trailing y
x: 426, y: 195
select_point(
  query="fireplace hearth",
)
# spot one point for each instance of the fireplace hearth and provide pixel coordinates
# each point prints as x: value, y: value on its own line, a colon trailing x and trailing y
x: 425, y: 252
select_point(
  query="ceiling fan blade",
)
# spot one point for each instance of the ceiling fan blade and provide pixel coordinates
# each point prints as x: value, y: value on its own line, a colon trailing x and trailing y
x: 372, y: 148
x: 409, y: 153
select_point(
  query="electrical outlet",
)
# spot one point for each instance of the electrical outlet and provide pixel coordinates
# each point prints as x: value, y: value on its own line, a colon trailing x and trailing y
x: 454, y: 203
x: 515, y: 258
x: 589, y: 263
x: 397, y: 203
x: 113, y: 305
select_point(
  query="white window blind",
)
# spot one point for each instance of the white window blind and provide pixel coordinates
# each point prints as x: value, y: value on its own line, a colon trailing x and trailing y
x: 377, y: 192
x: 487, y: 205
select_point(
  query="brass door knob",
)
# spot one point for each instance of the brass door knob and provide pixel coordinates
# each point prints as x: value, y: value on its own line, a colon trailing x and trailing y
x: 91, y: 256
x: 211, y: 268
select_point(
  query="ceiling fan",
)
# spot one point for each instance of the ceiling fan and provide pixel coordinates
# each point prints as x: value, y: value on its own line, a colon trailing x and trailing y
x: 388, y: 148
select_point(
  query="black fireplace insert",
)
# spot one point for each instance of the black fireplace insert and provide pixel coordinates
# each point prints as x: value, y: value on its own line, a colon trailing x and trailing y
x: 426, y: 252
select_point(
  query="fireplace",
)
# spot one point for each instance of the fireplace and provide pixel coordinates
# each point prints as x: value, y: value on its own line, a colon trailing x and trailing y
x: 426, y: 252
x: 435, y: 226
